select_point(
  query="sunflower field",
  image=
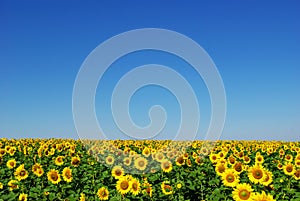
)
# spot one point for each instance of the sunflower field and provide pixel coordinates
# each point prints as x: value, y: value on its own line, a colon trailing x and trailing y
x: 71, y: 170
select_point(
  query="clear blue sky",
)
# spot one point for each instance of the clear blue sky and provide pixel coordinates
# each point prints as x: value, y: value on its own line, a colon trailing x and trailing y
x: 254, y: 44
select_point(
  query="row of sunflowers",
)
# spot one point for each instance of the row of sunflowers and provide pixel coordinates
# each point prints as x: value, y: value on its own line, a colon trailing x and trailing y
x: 72, y: 170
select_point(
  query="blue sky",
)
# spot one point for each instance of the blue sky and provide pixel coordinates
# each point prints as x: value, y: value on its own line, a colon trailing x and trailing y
x: 254, y: 44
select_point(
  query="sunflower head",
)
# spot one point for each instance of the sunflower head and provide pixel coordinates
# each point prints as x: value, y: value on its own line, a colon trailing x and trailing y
x: 288, y: 157
x: 297, y: 174
x: 166, y: 165
x: 159, y: 156
x: 146, y: 152
x: 230, y: 178
x: 238, y: 167
x: 117, y: 172
x: 53, y: 176
x: 166, y: 188
x: 268, y: 179
x: 257, y: 174
x: 135, y: 187
x: 11, y: 163
x: 147, y: 189
x: 82, y: 197
x: 21, y: 173
x: 23, y: 197
x: 289, y: 169
x: 259, y: 159
x: 140, y: 163
x: 242, y: 192
x: 103, y: 193
x: 220, y: 168
x: 75, y: 161
x: 67, y: 174
x: 180, y: 161
x: 213, y: 157
x: 262, y: 197
x: 59, y: 160
x: 127, y: 161
x: 110, y: 160
x: 13, y: 184
x: 231, y: 160
x: 123, y: 185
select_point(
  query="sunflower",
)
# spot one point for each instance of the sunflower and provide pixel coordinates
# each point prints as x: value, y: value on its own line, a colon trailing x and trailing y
x: 148, y: 189
x: 11, y: 163
x: 146, y: 152
x: 194, y: 155
x: 166, y: 165
x: 59, y: 160
x: 59, y: 147
x: 268, y: 179
x: 103, y: 193
x: 262, y: 197
x: 52, y: 152
x: 179, y: 184
x: 246, y: 159
x: 123, y: 185
x: 259, y: 159
x: 231, y: 160
x: 39, y: 172
x: 75, y: 161
x: 13, y: 184
x: 12, y: 151
x: 279, y: 166
x: 82, y: 197
x: 23, y: 197
x: 281, y: 152
x: 213, y: 157
x: 117, y: 172
x: 166, y: 188
x: 67, y: 174
x: 72, y: 149
x: 297, y: 163
x: 35, y: 167
x: 110, y: 160
x: 180, y: 161
x: 240, y: 154
x: 238, y: 167
x: 54, y: 176
x: 21, y: 173
x: 220, y: 168
x: 230, y: 178
x: 127, y: 161
x: 7, y: 148
x: 189, y: 162
x: 140, y: 163
x: 159, y: 157
x: 198, y: 160
x: 257, y: 174
x: 135, y: 187
x: 222, y: 160
x: 288, y: 157
x: 289, y: 169
x: 186, y: 155
x: 297, y: 174
x: 132, y: 153
x: 243, y: 192
x: 2, y: 152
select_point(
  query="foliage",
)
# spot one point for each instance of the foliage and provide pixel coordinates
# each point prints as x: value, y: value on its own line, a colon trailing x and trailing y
x: 65, y: 169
